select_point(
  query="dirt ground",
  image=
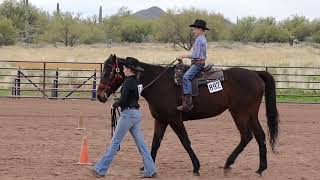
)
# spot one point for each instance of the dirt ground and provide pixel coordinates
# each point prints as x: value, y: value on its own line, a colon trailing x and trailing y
x: 39, y: 140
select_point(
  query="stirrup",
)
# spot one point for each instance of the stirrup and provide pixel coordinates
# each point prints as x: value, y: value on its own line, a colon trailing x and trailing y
x: 180, y: 108
x: 185, y: 109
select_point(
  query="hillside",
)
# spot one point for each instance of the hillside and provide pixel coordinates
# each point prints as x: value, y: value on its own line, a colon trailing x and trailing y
x: 150, y: 13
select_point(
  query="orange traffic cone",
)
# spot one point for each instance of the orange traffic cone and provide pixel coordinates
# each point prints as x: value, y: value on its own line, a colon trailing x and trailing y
x: 81, y: 123
x: 84, y: 153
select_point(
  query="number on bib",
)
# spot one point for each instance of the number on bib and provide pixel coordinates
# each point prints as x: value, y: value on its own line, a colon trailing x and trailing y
x: 214, y: 86
x: 140, y: 88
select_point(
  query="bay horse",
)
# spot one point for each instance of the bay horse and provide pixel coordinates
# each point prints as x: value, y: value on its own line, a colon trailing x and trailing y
x: 242, y: 95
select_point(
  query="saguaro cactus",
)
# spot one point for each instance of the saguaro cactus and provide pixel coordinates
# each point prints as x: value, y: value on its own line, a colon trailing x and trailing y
x: 100, y: 15
x: 58, y: 8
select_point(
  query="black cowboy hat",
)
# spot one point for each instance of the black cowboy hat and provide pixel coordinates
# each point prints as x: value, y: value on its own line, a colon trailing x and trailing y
x: 132, y: 63
x: 198, y: 23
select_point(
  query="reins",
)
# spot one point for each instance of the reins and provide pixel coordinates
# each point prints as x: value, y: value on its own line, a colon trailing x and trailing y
x: 115, y: 114
x: 160, y: 75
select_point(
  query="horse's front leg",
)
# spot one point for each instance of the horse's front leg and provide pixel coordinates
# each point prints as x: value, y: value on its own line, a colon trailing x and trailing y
x: 159, y: 130
x: 179, y: 128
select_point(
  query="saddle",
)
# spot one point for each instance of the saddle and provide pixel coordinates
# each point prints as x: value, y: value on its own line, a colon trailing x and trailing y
x: 207, y: 75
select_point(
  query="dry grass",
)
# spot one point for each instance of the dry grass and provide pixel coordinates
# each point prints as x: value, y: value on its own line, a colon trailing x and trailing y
x: 219, y: 53
x: 223, y: 53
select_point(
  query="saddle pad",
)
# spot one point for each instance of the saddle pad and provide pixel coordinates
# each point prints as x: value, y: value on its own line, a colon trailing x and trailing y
x: 217, y: 75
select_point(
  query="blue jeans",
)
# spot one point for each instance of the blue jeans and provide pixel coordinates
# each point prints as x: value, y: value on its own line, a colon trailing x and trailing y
x: 193, y: 71
x: 129, y: 121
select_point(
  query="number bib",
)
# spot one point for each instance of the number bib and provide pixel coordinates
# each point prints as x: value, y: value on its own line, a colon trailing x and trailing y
x: 140, y: 88
x: 214, y: 86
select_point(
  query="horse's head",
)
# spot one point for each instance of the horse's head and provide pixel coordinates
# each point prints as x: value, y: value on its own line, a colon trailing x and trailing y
x: 112, y: 78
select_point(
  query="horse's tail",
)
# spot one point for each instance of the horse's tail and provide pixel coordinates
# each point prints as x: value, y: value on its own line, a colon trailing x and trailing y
x: 271, y: 106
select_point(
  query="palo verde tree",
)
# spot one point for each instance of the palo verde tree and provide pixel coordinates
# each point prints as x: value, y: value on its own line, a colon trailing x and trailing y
x: 298, y: 26
x: 63, y: 28
x: 24, y: 17
x: 8, y: 34
x: 174, y: 28
x: 242, y: 31
x: 267, y: 30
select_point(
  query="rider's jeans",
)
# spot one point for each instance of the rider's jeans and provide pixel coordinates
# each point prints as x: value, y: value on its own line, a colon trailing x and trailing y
x: 193, y: 71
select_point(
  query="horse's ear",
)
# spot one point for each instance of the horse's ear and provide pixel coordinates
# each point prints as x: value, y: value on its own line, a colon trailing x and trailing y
x: 113, y: 57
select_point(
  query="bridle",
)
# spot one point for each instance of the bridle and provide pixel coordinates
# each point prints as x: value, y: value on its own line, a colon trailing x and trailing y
x: 114, y: 78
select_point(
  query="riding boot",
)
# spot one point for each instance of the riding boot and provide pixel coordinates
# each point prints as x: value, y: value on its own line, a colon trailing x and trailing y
x: 189, y: 102
x: 186, y: 104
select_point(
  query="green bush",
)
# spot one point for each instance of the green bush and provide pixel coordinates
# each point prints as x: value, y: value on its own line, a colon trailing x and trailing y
x: 91, y: 33
x: 316, y: 37
x: 16, y: 12
x: 173, y: 27
x: 111, y: 28
x: 316, y: 30
x: 220, y: 28
x: 242, y: 31
x: 63, y: 28
x: 133, y: 30
x: 125, y: 27
x: 8, y: 32
x: 298, y: 26
x: 266, y: 30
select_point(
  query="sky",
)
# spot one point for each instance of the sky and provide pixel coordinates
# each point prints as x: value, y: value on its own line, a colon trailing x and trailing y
x: 280, y: 9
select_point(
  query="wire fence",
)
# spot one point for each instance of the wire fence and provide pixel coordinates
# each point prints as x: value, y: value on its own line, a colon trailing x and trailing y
x: 77, y: 80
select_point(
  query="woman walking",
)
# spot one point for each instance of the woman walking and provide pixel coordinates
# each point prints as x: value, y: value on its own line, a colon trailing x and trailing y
x: 130, y: 120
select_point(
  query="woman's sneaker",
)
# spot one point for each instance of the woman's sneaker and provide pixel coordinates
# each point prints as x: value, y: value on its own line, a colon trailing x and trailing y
x: 154, y: 175
x: 95, y: 173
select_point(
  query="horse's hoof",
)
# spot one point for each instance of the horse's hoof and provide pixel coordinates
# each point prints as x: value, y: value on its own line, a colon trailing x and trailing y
x: 226, y: 170
x: 259, y: 172
x: 141, y: 169
x: 196, y: 173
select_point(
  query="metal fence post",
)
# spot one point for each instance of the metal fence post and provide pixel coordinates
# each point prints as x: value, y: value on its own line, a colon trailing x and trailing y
x: 18, y: 83
x: 94, y: 86
x: 54, y: 91
x: 14, y: 88
x: 44, y: 79
x: 57, y: 82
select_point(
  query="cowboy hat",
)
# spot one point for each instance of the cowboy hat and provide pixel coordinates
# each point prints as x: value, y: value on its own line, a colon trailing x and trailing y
x: 132, y: 63
x: 198, y: 23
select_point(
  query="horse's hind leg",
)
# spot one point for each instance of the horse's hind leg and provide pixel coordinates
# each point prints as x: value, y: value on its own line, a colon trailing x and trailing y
x: 241, y: 122
x: 179, y: 128
x: 261, y: 140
